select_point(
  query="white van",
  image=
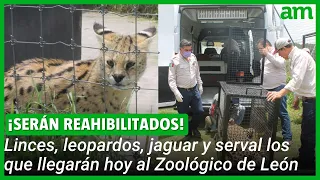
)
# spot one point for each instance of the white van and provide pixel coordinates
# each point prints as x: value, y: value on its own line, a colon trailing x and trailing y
x: 210, y: 28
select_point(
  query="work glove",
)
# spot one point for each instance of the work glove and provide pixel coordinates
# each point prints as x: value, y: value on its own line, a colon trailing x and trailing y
x: 179, y: 97
x: 200, y: 89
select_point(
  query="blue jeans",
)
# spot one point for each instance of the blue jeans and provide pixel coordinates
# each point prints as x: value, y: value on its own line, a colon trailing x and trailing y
x: 191, y: 98
x: 284, y: 116
x: 308, y: 134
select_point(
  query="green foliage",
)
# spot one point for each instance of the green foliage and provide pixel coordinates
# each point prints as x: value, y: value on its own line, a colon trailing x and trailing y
x: 290, y: 96
x: 36, y: 105
x: 295, y: 115
x: 128, y: 8
x: 312, y: 48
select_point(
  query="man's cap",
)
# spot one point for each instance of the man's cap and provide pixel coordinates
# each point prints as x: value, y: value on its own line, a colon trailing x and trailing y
x: 280, y: 43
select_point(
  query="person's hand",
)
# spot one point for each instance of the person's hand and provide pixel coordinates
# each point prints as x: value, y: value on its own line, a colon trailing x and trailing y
x: 200, y: 89
x: 263, y: 51
x: 295, y: 104
x: 273, y: 95
x: 269, y: 48
x: 179, y: 97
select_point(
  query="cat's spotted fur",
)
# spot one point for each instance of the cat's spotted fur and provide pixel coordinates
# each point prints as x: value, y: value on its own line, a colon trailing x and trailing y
x: 119, y: 71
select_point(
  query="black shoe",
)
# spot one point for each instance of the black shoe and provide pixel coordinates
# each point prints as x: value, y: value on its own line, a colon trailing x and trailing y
x: 303, y: 164
x: 208, y: 131
x: 186, y: 138
x: 196, y: 134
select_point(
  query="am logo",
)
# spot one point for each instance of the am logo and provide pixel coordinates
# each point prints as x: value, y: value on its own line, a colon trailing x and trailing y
x: 298, y: 12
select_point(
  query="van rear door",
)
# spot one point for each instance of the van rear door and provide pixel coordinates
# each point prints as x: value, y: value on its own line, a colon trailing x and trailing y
x: 168, y: 33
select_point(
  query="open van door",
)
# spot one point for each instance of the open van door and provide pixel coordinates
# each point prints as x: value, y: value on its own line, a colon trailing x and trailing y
x: 168, y: 35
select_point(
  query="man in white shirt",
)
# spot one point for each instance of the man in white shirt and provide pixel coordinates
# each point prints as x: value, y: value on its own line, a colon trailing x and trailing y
x: 303, y: 83
x: 307, y: 50
x: 296, y: 99
x: 274, y: 79
x: 186, y: 84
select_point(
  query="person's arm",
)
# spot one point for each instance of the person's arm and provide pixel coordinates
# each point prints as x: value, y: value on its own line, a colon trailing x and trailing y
x: 284, y: 92
x: 276, y: 60
x: 198, y: 77
x: 273, y: 95
x: 173, y: 82
x: 172, y: 77
x: 199, y: 81
x: 300, y: 68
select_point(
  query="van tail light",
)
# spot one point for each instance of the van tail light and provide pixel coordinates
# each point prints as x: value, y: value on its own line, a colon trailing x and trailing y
x: 212, y: 110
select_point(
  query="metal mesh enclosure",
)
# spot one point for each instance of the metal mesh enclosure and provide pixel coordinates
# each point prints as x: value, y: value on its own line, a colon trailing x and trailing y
x: 47, y: 32
x: 309, y: 41
x: 48, y: 42
x: 242, y: 56
x: 246, y: 116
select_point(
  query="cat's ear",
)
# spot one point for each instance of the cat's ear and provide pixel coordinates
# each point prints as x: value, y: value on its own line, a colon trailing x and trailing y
x: 145, y: 36
x: 103, y: 33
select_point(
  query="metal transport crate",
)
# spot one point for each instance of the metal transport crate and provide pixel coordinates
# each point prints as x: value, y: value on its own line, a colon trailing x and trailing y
x: 242, y: 56
x: 245, y: 115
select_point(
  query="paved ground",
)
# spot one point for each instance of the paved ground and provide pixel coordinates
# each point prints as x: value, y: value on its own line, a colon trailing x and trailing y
x: 148, y: 95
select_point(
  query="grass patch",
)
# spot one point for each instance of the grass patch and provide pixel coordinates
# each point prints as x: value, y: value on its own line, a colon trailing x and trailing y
x: 36, y: 105
x: 167, y: 111
x: 149, y: 10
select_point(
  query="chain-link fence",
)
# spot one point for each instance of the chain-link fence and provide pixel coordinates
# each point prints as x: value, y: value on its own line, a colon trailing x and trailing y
x: 243, y: 57
x: 75, y: 81
x: 309, y: 41
x: 246, y: 116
